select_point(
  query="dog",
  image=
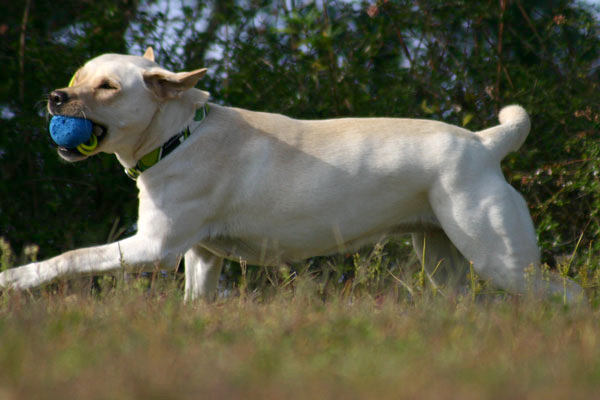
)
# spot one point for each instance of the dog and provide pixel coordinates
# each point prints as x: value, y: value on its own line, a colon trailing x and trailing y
x: 221, y: 183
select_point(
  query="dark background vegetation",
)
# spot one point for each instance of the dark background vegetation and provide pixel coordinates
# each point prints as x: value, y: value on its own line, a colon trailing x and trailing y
x: 458, y: 61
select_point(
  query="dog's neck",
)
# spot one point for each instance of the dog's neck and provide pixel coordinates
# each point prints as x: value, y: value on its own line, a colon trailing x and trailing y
x: 172, y: 117
x: 153, y: 157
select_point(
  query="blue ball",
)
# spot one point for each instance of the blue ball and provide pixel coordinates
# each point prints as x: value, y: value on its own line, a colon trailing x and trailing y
x: 70, y: 132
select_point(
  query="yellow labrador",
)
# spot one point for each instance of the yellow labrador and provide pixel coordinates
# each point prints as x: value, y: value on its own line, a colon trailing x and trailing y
x: 218, y: 182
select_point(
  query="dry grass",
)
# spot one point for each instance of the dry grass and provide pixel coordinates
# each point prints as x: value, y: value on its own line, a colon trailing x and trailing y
x: 129, y: 342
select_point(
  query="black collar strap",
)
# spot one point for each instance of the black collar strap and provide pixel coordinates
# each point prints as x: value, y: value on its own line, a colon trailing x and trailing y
x: 150, y: 159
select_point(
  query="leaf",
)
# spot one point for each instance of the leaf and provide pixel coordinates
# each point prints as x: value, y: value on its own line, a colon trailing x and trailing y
x: 467, y: 118
x: 426, y: 108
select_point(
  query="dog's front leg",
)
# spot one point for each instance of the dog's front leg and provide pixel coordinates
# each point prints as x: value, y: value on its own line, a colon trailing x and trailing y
x: 130, y: 254
x: 202, y: 272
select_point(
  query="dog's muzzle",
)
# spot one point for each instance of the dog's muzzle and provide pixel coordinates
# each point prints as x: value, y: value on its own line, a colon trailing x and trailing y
x: 58, y: 105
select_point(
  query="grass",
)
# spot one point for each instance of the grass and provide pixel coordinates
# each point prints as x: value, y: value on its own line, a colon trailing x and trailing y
x: 131, y: 343
x: 295, y: 336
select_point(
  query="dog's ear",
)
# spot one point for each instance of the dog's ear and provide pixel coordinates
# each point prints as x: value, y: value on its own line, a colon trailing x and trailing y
x: 149, y: 54
x: 167, y: 85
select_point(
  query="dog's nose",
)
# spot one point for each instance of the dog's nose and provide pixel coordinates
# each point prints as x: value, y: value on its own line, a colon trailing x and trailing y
x: 58, y: 97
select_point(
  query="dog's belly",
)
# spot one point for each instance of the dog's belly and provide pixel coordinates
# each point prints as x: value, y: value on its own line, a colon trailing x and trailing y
x: 271, y: 252
x: 270, y: 234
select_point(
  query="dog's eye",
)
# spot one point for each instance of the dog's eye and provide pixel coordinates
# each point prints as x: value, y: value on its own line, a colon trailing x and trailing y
x: 106, y: 85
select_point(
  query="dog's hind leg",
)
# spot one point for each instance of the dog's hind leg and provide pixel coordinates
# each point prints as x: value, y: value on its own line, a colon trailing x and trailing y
x: 488, y: 221
x: 202, y: 272
x: 441, y: 258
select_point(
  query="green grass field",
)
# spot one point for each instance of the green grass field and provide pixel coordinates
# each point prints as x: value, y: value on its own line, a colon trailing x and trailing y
x: 297, y: 339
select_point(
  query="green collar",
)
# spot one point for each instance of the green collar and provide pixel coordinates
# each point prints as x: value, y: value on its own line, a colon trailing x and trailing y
x: 150, y: 159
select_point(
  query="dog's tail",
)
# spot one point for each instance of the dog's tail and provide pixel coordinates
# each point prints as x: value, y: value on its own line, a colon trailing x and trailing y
x: 510, y: 134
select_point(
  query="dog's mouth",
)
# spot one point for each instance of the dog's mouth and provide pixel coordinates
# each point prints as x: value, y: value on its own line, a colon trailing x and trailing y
x: 78, y: 154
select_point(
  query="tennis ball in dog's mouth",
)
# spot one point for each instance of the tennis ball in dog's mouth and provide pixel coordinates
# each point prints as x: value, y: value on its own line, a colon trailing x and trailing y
x: 70, y: 132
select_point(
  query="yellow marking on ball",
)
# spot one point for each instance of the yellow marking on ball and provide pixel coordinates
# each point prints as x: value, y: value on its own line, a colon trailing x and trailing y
x: 87, y: 148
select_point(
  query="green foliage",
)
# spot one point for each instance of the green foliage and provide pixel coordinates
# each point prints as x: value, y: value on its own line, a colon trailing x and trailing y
x: 42, y: 199
x: 456, y: 61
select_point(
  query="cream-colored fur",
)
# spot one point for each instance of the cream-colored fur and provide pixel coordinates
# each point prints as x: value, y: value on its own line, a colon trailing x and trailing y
x: 270, y: 189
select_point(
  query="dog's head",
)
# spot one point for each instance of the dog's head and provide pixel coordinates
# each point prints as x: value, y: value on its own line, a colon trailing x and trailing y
x: 128, y: 99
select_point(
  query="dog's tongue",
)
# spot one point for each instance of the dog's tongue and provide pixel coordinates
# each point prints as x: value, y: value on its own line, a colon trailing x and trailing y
x: 70, y: 132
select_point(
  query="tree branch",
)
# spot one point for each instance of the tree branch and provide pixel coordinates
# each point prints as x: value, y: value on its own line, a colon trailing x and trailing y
x: 22, y: 52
